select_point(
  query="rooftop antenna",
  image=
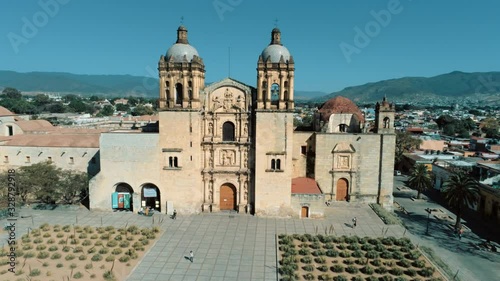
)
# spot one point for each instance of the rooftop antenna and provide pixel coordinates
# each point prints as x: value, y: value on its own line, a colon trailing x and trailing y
x: 182, y: 20
x: 276, y: 22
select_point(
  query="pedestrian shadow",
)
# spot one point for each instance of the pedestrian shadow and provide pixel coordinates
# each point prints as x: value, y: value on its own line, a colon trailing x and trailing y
x: 349, y: 225
x: 187, y: 258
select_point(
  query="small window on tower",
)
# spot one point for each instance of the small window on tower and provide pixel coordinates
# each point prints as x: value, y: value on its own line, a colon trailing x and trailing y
x: 303, y: 150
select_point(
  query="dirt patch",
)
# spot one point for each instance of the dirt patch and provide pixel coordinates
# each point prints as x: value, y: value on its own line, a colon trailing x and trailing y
x: 52, y: 252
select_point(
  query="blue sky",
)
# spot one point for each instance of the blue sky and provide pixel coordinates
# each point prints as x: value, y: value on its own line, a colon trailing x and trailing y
x: 421, y: 38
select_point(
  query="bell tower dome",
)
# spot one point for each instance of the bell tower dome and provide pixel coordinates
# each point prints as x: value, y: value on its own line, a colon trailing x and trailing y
x: 182, y: 75
x: 275, y: 76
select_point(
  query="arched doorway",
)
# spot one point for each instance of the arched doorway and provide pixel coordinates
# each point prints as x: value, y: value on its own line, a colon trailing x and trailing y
x: 227, y: 197
x: 342, y: 190
x: 150, y: 197
x: 122, y: 197
x: 304, y: 212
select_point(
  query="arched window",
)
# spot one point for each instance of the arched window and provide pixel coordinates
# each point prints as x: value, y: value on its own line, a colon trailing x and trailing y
x: 343, y: 128
x: 275, y: 93
x: 278, y: 164
x: 387, y: 122
x: 178, y: 93
x: 228, y: 131
x: 273, y: 164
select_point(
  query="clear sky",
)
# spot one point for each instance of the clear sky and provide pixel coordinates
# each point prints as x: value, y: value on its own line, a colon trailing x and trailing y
x: 335, y: 44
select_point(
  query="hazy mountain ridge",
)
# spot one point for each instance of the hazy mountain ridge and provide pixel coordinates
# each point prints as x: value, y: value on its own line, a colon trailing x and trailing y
x: 447, y: 86
x: 451, y: 85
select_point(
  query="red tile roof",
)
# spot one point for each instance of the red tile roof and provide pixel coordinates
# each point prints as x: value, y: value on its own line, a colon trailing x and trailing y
x: 305, y: 186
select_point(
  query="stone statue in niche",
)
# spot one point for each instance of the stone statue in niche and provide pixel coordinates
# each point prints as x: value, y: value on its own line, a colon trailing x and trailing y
x: 228, y: 100
x: 245, y: 159
x: 245, y: 129
x: 210, y: 128
x: 210, y: 191
x: 245, y: 191
x: 344, y: 161
x: 240, y: 102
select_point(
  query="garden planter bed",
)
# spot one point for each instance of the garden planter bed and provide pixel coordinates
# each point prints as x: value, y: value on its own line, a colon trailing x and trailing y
x: 321, y: 257
x: 77, y: 253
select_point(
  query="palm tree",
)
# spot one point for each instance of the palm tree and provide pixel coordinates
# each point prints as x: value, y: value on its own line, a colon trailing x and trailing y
x: 420, y: 179
x: 460, y: 191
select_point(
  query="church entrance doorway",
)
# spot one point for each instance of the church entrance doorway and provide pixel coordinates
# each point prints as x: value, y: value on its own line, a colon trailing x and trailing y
x: 227, y: 197
x: 342, y: 190
x: 150, y: 197
x: 304, y: 212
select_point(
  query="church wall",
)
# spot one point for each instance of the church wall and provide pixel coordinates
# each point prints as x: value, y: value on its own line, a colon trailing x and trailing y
x: 67, y: 158
x: 299, y: 159
x: 363, y: 176
x: 125, y: 158
x: 274, y: 140
x: 180, y: 137
x: 315, y: 203
x: 387, y: 171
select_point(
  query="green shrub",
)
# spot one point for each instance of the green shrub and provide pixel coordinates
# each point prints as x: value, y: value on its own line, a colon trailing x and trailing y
x: 88, y: 266
x: 322, y: 268
x: 404, y: 263
x: 357, y: 254
x: 426, y: 272
x: 86, y: 243
x: 55, y: 256
x: 371, y: 254
x: 340, y: 278
x: 82, y: 236
x: 308, y: 268
x: 112, y: 243
x: 93, y: 236
x: 413, y: 255
x: 35, y: 272
x: 53, y: 248
x: 78, y: 249
x: 304, y: 252
x: 411, y: 272
x: 96, y: 257
x: 73, y: 266
x: 45, y: 264
x: 315, y: 245
x: 110, y: 258
x: 59, y: 265
x: 357, y: 278
x: 38, y: 240
x: 116, y: 251
x: 82, y: 257
x: 320, y: 260
x: 386, y: 255
x: 288, y: 269
x: 345, y: 254
x: 384, y: 215
x: 59, y: 235
x: 109, y: 228
x: 70, y: 257
x: 396, y: 271
x: 62, y: 242
x: 46, y: 235
x: 337, y: 268
x: 371, y: 278
x: 124, y: 244
x: 367, y: 247
x: 368, y: 270
x: 42, y: 255
x: 353, y: 247
x: 418, y: 264
x: 318, y: 253
x: 66, y: 249
x: 329, y: 246
x: 341, y: 246
x: 124, y: 258
x: 309, y: 276
x: 397, y: 255
x: 332, y: 253
x: 306, y: 259
x: 400, y: 278
x: 27, y: 247
x: 380, y: 248
x: 348, y: 261
x: 98, y: 243
x: 103, y: 251
x: 78, y: 275
x: 381, y: 270
x: 352, y: 269
x: 74, y: 242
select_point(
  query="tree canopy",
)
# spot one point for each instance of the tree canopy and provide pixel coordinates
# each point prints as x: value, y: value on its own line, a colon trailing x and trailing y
x: 405, y: 143
x: 420, y: 179
x: 461, y: 190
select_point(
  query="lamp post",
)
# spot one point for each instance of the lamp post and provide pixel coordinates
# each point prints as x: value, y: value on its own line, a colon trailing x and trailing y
x: 428, y: 210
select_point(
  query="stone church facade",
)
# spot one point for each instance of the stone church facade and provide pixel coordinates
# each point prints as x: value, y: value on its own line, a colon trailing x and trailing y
x: 228, y: 146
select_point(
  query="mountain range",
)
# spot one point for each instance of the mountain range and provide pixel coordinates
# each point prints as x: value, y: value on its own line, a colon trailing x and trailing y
x: 454, y: 85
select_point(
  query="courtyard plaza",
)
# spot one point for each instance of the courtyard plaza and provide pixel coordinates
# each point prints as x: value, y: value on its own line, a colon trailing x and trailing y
x: 226, y: 246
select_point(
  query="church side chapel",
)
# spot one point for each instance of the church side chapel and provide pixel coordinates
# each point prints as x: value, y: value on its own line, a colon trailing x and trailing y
x: 232, y: 147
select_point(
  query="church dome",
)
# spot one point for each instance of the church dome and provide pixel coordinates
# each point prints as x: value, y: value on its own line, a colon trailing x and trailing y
x: 275, y: 52
x: 181, y: 51
x: 340, y: 105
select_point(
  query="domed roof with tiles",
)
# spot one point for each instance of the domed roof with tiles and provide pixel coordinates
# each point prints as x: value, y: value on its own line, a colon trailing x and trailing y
x: 181, y: 51
x: 340, y: 105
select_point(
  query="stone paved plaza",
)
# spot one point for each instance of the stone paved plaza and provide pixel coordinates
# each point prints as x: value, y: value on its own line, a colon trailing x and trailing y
x: 226, y: 246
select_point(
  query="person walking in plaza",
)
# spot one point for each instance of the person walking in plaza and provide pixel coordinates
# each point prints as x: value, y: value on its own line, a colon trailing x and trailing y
x: 354, y: 220
x: 460, y: 232
x: 191, y: 256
